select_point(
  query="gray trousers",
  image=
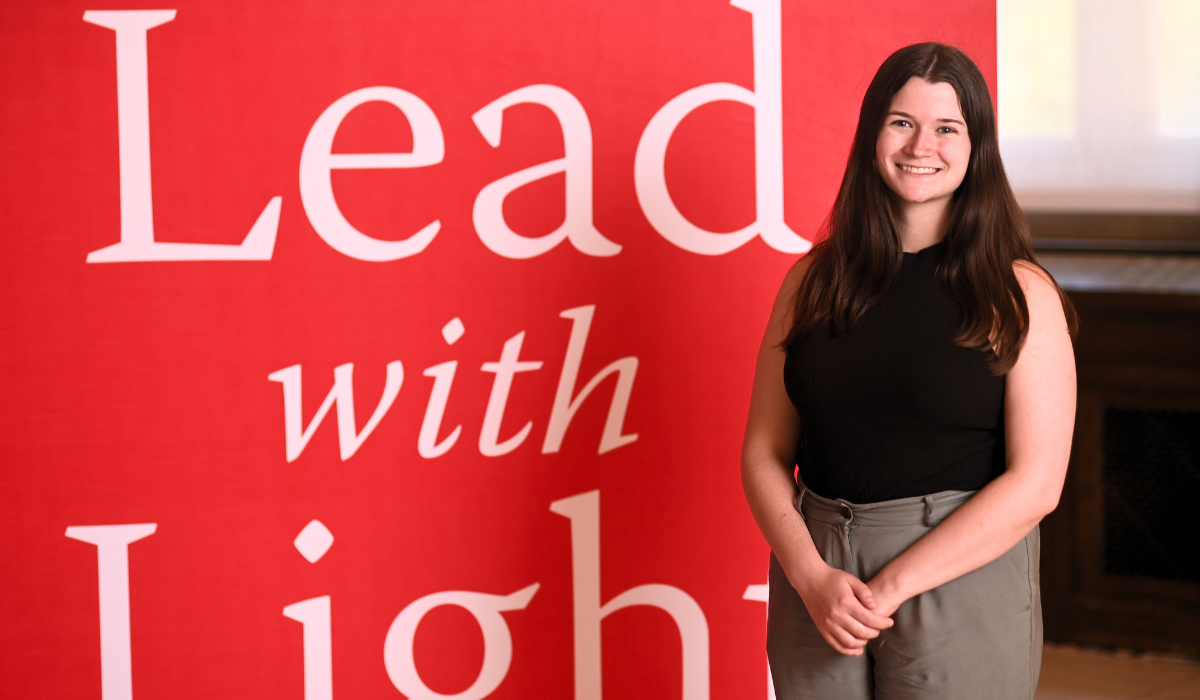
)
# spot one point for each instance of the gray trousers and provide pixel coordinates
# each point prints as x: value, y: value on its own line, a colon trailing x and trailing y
x: 977, y: 637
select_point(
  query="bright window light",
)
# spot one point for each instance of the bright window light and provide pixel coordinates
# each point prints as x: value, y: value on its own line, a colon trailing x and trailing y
x: 1036, y: 45
x: 1178, y: 68
x: 1099, y: 103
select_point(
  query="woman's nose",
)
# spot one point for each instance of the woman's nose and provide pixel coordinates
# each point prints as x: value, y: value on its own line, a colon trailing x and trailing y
x: 921, y: 143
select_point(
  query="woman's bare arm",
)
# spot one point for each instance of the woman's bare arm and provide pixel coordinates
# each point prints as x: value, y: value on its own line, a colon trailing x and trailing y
x: 838, y: 602
x: 1039, y: 417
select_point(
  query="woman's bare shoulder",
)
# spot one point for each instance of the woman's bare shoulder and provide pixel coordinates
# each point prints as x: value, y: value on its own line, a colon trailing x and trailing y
x: 794, y: 276
x: 1032, y: 276
x: 1047, y: 316
x: 784, y: 307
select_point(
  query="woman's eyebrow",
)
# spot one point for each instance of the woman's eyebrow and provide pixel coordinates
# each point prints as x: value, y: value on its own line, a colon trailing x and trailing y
x: 906, y: 115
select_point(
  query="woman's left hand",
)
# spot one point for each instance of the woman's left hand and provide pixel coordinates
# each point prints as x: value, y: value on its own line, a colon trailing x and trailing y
x: 887, y: 597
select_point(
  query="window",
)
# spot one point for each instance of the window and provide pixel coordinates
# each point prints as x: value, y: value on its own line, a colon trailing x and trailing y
x: 1099, y: 103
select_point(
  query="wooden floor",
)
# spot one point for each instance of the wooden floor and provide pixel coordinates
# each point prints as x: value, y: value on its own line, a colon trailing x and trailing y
x: 1071, y: 673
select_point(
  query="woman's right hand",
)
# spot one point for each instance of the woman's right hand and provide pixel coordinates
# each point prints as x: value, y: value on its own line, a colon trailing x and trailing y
x: 840, y: 605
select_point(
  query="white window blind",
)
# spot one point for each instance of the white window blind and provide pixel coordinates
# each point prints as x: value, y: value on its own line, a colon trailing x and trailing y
x: 1099, y: 103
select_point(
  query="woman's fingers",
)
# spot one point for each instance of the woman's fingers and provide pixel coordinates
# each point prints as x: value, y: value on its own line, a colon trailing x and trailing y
x: 860, y: 608
x: 836, y: 600
x: 862, y: 592
x: 838, y: 639
x: 869, y: 618
x: 858, y: 629
x: 847, y: 631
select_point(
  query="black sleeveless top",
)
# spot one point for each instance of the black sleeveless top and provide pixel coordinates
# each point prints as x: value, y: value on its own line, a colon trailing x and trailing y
x: 893, y: 408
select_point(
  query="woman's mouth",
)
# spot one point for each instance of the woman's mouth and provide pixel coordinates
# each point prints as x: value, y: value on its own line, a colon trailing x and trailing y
x: 916, y: 170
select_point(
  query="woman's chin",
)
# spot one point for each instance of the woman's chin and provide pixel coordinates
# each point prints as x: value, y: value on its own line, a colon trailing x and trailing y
x: 922, y: 196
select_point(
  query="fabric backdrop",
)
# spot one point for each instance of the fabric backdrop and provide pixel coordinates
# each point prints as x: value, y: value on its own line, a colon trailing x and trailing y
x: 418, y: 361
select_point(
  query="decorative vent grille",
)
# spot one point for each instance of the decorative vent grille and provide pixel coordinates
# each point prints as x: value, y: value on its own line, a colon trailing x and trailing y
x: 1152, y: 494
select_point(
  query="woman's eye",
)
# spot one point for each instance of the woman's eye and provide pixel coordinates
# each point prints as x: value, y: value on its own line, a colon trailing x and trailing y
x: 901, y: 122
x: 948, y: 130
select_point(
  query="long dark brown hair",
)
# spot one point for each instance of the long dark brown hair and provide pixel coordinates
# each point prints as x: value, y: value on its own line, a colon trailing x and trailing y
x: 987, y: 230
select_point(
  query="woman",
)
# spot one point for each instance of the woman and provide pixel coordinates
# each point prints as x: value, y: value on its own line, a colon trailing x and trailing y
x: 918, y: 369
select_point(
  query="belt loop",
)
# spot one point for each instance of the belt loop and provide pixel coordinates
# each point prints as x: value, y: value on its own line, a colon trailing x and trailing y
x: 929, y: 511
x: 800, y: 504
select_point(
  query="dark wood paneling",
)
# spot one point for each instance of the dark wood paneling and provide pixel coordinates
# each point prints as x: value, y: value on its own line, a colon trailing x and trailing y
x: 1133, y: 351
x: 1163, y: 227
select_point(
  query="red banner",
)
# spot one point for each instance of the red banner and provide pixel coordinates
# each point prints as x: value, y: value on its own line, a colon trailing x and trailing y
x: 418, y: 361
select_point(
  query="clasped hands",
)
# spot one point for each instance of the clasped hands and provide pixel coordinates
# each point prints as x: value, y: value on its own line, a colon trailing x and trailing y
x: 846, y: 611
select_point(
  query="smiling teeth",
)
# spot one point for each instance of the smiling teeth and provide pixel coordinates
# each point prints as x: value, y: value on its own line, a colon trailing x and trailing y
x: 918, y: 171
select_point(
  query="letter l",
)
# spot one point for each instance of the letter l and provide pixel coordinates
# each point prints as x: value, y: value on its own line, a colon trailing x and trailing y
x: 133, y: 137
x: 112, y: 553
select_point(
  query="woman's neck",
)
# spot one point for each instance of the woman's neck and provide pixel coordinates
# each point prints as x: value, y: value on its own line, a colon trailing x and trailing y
x: 922, y: 224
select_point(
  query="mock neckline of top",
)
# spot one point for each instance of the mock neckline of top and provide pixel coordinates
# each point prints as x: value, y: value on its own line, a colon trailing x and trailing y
x: 926, y: 251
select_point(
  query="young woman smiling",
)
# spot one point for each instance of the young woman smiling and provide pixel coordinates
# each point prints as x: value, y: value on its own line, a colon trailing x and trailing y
x: 918, y: 370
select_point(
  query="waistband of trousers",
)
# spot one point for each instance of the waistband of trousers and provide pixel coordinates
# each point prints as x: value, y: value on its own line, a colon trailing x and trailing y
x: 918, y: 510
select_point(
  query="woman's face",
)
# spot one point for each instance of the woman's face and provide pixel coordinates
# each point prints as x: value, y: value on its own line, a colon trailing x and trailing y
x: 923, y: 149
